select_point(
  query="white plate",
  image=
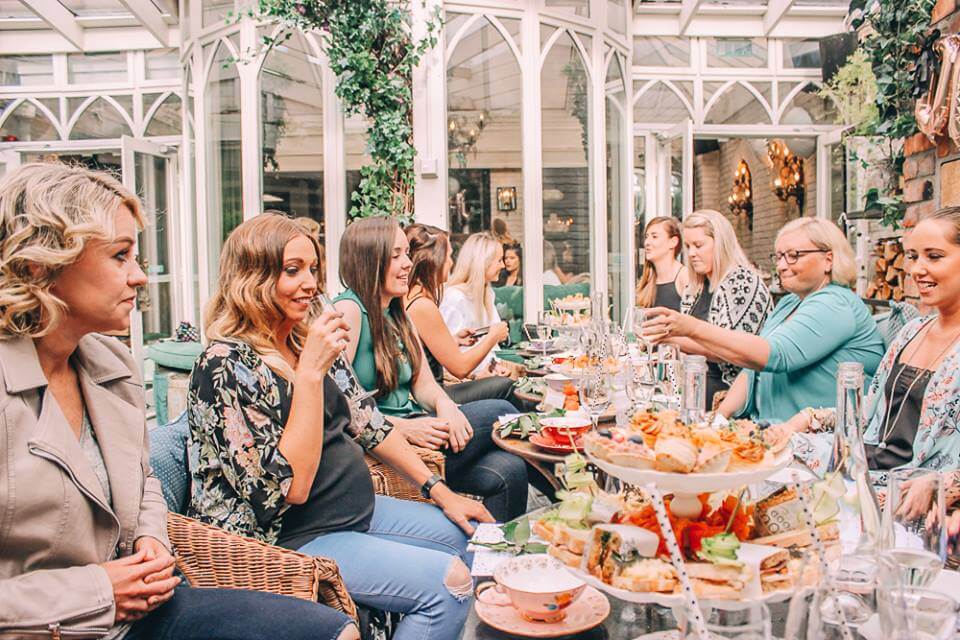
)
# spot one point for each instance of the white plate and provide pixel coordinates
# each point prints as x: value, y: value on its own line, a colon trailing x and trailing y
x: 694, y: 483
x: 676, y: 599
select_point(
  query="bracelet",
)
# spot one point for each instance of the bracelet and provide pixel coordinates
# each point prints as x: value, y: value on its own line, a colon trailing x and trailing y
x: 429, y: 484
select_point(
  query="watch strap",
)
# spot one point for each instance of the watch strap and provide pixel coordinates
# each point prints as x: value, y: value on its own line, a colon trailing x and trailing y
x: 429, y: 484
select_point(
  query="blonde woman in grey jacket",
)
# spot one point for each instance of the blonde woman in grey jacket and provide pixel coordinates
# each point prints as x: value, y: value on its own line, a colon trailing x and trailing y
x: 83, y: 545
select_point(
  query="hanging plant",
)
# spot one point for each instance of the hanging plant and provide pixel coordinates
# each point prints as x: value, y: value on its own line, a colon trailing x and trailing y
x: 898, y: 46
x: 372, y: 52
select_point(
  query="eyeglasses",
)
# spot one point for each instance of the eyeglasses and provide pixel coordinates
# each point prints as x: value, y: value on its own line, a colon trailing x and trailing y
x: 793, y: 255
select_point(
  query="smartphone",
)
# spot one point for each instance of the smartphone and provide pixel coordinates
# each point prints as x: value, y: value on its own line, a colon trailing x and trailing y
x: 479, y: 333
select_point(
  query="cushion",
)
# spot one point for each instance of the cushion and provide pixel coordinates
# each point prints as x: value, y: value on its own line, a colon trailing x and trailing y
x: 175, y: 355
x: 168, y: 457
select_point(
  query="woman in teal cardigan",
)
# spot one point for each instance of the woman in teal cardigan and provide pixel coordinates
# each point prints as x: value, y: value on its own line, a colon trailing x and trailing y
x: 792, y: 363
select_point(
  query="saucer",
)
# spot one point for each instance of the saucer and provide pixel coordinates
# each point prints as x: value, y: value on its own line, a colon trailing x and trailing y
x: 552, y: 446
x: 589, y: 610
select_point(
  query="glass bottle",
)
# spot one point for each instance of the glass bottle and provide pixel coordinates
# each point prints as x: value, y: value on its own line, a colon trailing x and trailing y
x: 694, y: 393
x: 848, y: 462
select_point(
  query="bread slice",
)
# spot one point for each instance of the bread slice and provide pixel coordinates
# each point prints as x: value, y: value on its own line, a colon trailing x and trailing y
x: 565, y: 556
x: 676, y: 455
x: 573, y: 539
x: 829, y: 533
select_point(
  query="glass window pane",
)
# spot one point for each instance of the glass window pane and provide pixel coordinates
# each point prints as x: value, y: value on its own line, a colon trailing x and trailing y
x: 807, y: 107
x: 355, y: 130
x: 659, y: 104
x: 166, y: 120
x: 161, y: 64
x: 576, y: 7
x: 291, y: 101
x: 94, y: 8
x: 15, y: 9
x: 649, y: 51
x: 639, y: 199
x: 617, y: 16
x: 801, y: 54
x: 97, y: 68
x: 28, y: 122
x: 567, y: 201
x: 26, y: 71
x: 100, y: 120
x: 215, y: 12
x: 484, y: 145
x: 736, y: 52
x: 737, y: 105
x: 225, y: 205
x: 619, y: 217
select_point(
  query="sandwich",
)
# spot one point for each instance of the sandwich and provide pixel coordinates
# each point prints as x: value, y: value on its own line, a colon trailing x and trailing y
x: 677, y: 455
x: 613, y: 547
x: 800, y: 538
x: 775, y: 573
x: 717, y: 581
x: 648, y: 575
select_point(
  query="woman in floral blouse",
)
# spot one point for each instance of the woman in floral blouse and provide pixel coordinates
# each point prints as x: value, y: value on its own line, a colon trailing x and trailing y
x: 280, y: 448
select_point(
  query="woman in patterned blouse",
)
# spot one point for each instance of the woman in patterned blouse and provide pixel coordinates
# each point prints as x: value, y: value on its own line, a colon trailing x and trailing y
x: 280, y: 448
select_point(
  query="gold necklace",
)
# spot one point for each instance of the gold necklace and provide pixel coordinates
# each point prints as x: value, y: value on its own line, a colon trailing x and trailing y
x: 889, y: 426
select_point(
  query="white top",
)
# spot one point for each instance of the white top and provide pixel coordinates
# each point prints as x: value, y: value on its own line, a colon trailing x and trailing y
x: 550, y: 277
x: 458, y: 314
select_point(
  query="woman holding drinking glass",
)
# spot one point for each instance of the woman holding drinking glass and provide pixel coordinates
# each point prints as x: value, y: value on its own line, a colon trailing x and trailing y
x: 724, y: 291
x: 792, y: 363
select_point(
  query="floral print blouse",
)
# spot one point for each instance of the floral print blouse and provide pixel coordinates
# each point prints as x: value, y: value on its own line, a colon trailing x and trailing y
x: 237, y: 409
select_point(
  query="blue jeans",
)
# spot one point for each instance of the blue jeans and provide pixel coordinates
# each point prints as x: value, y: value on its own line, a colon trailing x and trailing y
x: 401, y: 565
x: 483, y: 469
x: 234, y: 614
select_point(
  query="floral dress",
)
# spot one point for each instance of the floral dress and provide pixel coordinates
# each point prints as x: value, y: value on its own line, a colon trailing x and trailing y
x: 237, y: 409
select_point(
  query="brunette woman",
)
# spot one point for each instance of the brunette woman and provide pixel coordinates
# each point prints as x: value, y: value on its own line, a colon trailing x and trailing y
x: 664, y: 277
x: 388, y: 359
x: 512, y: 273
x: 460, y: 353
x: 280, y: 446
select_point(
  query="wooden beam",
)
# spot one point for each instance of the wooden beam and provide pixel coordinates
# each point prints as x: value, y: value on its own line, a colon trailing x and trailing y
x: 149, y: 16
x: 59, y: 19
x: 776, y: 9
x: 687, y: 10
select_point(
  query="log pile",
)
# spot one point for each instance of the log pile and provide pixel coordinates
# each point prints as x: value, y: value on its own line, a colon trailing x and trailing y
x: 889, y: 276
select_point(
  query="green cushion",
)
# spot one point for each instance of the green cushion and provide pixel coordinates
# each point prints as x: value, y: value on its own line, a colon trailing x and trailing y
x: 175, y: 355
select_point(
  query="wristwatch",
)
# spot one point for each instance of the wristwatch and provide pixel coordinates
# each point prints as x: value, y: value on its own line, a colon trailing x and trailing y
x: 429, y: 484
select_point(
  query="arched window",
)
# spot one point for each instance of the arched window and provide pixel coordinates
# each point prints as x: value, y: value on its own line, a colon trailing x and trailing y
x: 618, y: 220
x: 660, y: 103
x: 28, y: 122
x: 736, y: 104
x: 802, y: 104
x: 165, y: 120
x: 100, y: 119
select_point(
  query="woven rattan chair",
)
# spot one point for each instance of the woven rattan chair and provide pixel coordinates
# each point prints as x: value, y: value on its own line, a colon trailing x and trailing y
x: 388, y: 482
x: 211, y: 557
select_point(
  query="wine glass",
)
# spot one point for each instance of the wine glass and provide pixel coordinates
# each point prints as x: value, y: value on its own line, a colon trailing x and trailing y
x: 913, y: 613
x: 348, y: 382
x: 596, y: 392
x: 668, y: 370
x: 639, y: 317
x: 640, y: 382
x: 544, y: 329
x: 914, y: 534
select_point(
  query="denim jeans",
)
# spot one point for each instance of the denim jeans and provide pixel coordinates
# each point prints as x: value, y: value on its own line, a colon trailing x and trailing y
x: 234, y: 614
x: 484, y: 469
x: 400, y: 564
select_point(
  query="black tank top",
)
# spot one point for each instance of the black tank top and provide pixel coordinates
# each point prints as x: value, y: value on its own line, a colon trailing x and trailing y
x: 436, y: 369
x: 667, y: 295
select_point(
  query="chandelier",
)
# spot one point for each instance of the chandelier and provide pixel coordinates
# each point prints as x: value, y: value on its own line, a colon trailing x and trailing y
x: 787, y: 172
x: 741, y: 194
x: 462, y: 136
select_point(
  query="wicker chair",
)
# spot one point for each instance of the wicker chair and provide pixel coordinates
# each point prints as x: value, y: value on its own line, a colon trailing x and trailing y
x: 388, y: 482
x: 211, y: 557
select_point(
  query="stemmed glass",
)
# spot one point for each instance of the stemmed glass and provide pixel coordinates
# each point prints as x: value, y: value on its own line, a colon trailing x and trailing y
x: 668, y: 369
x: 914, y: 534
x: 544, y: 329
x: 639, y: 317
x: 596, y: 392
x: 640, y: 382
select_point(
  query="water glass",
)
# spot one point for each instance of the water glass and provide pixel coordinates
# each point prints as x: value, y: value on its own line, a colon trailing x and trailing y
x: 544, y: 329
x: 596, y: 393
x: 752, y: 622
x: 913, y: 532
x: 640, y: 382
x: 669, y: 374
x: 913, y: 613
x: 639, y: 316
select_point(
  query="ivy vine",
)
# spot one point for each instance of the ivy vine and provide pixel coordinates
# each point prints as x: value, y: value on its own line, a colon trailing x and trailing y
x: 372, y: 51
x: 899, y: 47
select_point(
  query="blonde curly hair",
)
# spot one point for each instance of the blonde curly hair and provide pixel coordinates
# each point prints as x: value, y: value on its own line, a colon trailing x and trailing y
x: 48, y: 214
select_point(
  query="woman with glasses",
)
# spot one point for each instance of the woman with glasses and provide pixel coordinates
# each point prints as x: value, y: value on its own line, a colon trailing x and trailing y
x: 792, y: 363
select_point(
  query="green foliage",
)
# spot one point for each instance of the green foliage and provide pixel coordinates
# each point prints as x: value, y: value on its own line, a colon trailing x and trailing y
x: 897, y: 46
x: 853, y: 89
x: 372, y: 52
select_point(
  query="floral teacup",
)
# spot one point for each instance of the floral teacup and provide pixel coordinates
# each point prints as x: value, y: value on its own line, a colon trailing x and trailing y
x: 537, y: 586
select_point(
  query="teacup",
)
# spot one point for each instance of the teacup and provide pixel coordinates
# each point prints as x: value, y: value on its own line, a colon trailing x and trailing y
x: 564, y: 429
x: 538, y: 587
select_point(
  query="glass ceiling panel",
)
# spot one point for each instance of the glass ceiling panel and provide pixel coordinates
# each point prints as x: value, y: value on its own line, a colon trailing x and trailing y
x: 14, y: 9
x: 93, y: 8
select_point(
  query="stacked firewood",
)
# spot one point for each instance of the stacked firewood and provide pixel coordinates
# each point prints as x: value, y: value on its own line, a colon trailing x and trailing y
x: 889, y: 277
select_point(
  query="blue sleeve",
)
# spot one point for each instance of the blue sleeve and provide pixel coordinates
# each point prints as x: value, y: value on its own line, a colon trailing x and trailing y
x: 820, y: 325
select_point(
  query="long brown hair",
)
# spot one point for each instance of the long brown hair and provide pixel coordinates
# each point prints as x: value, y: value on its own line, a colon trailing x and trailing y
x: 244, y: 306
x: 647, y: 287
x: 366, y: 249
x: 428, y: 252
